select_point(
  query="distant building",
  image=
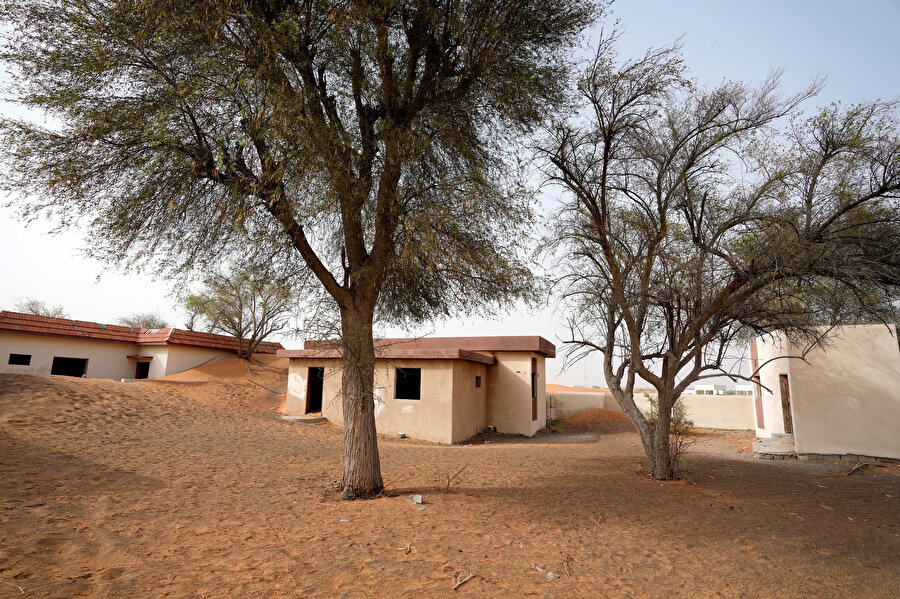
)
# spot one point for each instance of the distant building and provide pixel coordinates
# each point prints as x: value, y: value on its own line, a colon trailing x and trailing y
x: 32, y: 344
x: 842, y: 400
x: 437, y: 389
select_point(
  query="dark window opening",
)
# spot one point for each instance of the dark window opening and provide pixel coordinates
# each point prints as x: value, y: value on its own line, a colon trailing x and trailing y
x: 314, y: 382
x: 142, y: 371
x: 69, y: 366
x: 409, y: 383
x: 20, y: 359
x: 477, y: 382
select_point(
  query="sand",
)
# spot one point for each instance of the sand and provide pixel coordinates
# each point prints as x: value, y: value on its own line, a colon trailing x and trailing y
x: 199, y: 489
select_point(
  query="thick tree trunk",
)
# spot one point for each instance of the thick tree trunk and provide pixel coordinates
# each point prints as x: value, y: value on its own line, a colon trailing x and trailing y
x: 661, y: 464
x: 362, y: 466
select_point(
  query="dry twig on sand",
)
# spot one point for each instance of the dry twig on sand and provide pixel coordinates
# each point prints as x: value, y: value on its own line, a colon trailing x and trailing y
x: 463, y: 581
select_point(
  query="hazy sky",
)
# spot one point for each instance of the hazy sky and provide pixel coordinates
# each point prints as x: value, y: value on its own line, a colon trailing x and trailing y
x: 854, y: 44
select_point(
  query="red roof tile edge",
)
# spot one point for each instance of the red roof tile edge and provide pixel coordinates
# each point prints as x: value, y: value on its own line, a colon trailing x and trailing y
x: 31, y: 324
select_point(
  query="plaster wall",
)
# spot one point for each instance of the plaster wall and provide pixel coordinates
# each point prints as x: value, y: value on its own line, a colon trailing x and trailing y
x: 509, y: 393
x: 568, y: 403
x: 846, y: 399
x: 469, y: 401
x: 105, y: 359
x: 429, y: 418
x: 733, y: 412
x: 182, y: 357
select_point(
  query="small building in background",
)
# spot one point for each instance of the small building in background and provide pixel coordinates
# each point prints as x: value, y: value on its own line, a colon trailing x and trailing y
x: 436, y: 389
x: 31, y: 344
x: 840, y: 401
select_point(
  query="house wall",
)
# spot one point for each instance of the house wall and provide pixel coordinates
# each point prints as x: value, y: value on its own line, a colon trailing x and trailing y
x: 429, y: 418
x: 469, y: 401
x: 509, y: 393
x: 182, y: 357
x: 845, y: 400
x: 105, y: 359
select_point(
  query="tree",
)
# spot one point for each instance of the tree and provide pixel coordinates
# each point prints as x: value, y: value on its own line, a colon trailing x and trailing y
x: 371, y: 138
x: 691, y: 222
x: 143, y: 320
x: 30, y: 305
x: 249, y: 305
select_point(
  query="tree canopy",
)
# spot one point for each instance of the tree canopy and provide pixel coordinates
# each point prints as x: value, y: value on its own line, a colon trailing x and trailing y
x: 372, y: 138
x: 695, y: 218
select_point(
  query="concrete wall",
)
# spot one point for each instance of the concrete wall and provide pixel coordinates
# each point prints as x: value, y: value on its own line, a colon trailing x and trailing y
x: 712, y: 411
x: 105, y: 359
x: 568, y: 403
x: 509, y: 394
x: 845, y: 400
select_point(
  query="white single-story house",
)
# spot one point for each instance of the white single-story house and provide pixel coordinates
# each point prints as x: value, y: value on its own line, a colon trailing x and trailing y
x: 436, y: 389
x: 842, y: 401
x: 31, y: 344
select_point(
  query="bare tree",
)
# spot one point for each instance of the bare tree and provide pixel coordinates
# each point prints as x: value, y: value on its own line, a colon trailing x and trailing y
x: 691, y: 222
x: 30, y: 305
x: 371, y: 139
x: 144, y: 320
x: 250, y: 305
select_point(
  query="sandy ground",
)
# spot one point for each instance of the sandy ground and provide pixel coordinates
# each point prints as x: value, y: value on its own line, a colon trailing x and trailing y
x: 199, y: 489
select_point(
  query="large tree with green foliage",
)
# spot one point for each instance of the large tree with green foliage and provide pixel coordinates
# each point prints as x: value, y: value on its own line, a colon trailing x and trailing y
x: 249, y: 304
x: 370, y: 138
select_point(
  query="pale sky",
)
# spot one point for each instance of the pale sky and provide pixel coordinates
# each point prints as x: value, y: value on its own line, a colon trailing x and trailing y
x: 854, y: 44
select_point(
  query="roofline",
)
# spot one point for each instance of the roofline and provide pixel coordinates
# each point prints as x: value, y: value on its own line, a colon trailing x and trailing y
x: 504, y: 343
x: 397, y: 354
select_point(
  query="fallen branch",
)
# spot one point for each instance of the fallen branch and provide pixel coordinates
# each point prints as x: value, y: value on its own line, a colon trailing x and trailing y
x: 862, y: 465
x: 463, y: 581
x: 21, y: 590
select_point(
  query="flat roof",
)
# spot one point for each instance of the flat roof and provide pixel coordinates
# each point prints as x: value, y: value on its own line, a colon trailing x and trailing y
x: 525, y: 343
x: 392, y: 354
x: 431, y: 348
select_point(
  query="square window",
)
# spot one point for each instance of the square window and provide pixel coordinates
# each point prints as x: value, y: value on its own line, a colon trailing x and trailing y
x: 409, y: 383
x: 477, y: 382
x: 20, y: 359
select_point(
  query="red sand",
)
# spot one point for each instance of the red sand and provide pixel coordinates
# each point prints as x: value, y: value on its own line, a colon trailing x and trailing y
x: 166, y: 488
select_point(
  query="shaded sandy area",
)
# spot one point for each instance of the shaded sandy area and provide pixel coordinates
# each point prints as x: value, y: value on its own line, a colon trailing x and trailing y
x: 199, y: 489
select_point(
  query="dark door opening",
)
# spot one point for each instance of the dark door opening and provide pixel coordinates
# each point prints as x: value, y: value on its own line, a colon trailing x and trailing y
x: 142, y: 371
x: 534, y: 389
x: 69, y: 366
x: 786, y: 404
x: 314, y: 390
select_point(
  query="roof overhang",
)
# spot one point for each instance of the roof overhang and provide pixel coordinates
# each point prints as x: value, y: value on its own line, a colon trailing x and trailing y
x: 391, y: 353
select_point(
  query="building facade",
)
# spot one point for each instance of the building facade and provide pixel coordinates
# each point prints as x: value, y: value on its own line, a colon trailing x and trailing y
x: 31, y: 344
x: 436, y: 389
x: 841, y: 400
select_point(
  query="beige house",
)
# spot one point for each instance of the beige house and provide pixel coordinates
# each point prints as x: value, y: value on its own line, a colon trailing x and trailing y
x: 842, y: 401
x: 32, y: 344
x: 437, y: 389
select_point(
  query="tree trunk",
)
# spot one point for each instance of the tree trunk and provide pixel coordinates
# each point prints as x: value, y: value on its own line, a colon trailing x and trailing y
x: 661, y: 464
x: 362, y: 466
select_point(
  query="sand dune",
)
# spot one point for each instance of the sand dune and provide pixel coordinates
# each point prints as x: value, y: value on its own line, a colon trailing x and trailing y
x: 199, y: 489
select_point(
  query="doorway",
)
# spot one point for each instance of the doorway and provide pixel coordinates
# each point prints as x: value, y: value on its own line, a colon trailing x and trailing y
x: 786, y: 404
x: 142, y: 371
x: 315, y: 378
x: 69, y: 366
x: 534, y: 389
